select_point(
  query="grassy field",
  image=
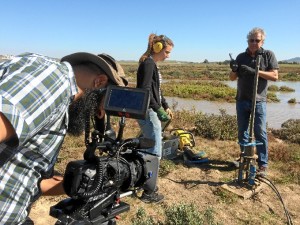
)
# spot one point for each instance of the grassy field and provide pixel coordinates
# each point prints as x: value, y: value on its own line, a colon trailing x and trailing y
x: 206, y: 71
x: 202, y: 81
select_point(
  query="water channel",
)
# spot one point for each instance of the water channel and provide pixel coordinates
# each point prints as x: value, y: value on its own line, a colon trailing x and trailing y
x: 277, y: 113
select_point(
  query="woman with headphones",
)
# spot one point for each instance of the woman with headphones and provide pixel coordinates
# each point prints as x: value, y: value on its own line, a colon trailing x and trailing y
x: 149, y: 77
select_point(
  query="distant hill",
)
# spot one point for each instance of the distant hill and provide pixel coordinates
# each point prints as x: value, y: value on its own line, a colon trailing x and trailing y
x: 296, y: 59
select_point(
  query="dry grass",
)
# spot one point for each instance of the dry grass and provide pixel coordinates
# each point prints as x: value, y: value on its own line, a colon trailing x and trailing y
x: 202, y: 186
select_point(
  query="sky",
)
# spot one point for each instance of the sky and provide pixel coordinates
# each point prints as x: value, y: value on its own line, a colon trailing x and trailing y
x: 200, y: 30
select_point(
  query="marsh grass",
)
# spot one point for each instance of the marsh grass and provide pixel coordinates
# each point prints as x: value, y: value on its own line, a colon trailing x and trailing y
x: 292, y: 101
x: 205, y: 71
x: 198, y: 80
x: 200, y: 90
x: 220, y: 127
x: 286, y: 89
x: 273, y: 88
x: 290, y: 131
x: 291, y: 76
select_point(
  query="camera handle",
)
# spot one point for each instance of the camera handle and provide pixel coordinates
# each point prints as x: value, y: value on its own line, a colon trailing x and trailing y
x: 110, y: 145
x: 121, y: 129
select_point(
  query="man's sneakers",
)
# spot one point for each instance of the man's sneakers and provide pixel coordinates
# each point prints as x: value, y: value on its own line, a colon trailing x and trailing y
x: 261, y: 171
x: 152, y: 197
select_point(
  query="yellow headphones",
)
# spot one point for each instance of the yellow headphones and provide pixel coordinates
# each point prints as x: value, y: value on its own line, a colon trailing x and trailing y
x: 158, y: 46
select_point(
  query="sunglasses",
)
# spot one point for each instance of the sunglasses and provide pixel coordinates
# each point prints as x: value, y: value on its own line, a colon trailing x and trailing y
x: 254, y: 40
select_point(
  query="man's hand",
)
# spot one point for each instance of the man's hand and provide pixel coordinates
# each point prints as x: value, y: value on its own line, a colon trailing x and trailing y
x: 7, y: 130
x: 52, y: 186
x: 234, y: 66
x: 246, y: 70
x: 162, y: 115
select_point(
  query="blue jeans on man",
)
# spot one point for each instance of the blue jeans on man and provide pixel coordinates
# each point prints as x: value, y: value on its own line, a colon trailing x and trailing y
x: 243, y: 108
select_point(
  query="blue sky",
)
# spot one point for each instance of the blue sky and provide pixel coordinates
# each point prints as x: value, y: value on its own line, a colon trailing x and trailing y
x: 199, y: 29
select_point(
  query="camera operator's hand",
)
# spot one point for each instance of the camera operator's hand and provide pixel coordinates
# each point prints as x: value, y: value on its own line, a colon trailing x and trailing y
x: 234, y: 66
x: 162, y: 115
x: 246, y: 70
x: 52, y: 186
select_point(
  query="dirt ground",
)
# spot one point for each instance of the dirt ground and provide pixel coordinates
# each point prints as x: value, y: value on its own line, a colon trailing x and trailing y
x: 206, y: 187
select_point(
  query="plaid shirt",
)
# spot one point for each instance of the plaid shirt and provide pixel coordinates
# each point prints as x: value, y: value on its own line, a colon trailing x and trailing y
x: 35, y: 94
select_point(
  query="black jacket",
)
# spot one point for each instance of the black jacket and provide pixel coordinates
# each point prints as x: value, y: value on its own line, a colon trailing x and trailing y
x: 148, y: 78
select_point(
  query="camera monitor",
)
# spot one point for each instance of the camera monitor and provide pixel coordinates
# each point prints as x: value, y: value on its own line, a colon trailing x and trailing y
x: 126, y: 102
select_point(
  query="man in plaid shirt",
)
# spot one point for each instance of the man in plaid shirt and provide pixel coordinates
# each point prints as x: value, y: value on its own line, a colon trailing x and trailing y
x: 37, y: 95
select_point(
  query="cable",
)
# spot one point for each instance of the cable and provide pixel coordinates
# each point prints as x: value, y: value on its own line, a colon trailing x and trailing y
x: 269, y: 182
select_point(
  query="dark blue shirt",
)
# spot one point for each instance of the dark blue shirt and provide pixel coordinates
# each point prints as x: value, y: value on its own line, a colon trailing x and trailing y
x: 245, y: 83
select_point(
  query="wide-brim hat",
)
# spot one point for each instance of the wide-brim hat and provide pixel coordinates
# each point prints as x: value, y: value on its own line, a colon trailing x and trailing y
x: 83, y: 57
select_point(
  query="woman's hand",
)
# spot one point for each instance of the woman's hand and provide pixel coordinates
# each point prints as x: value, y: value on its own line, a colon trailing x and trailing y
x: 170, y: 113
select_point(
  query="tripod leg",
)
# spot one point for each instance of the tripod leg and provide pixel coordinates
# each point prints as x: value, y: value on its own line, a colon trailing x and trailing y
x: 241, y: 169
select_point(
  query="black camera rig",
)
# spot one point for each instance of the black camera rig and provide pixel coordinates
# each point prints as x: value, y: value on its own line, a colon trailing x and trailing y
x: 96, y: 184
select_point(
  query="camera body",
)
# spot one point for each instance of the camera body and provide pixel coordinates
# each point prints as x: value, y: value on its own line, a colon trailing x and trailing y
x: 97, y: 183
x: 124, y: 172
x: 96, y: 187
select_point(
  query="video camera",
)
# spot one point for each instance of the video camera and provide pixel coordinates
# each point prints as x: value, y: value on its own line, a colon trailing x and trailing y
x: 96, y: 184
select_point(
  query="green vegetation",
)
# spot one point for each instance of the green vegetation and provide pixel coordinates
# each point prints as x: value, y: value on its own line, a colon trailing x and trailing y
x: 272, y: 97
x: 290, y: 131
x: 225, y: 196
x: 285, y: 158
x: 221, y: 127
x: 292, y: 101
x: 286, y: 89
x: 206, y: 71
x: 203, y: 81
x: 273, y: 88
x: 282, y: 88
x: 179, y: 214
x: 200, y: 90
x: 183, y: 214
x: 166, y: 166
x: 141, y: 218
x: 290, y: 77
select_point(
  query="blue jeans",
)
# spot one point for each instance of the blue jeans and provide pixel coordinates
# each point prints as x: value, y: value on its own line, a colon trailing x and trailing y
x: 243, y: 109
x: 151, y: 128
